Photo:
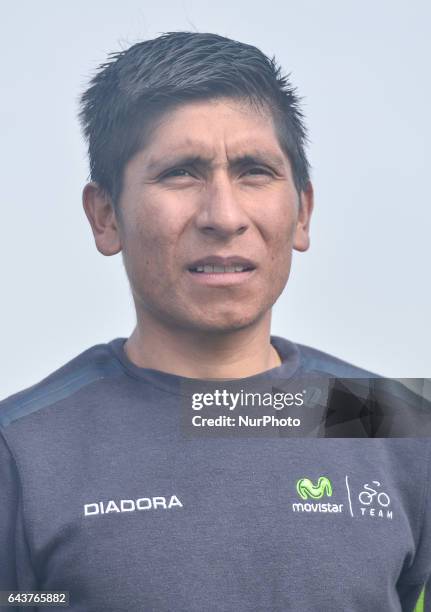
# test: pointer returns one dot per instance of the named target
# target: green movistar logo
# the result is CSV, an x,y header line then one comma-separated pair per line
x,y
307,489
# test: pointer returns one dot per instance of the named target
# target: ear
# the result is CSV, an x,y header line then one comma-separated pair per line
x,y
301,239
101,215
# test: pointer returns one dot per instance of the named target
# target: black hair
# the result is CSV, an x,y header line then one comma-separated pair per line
x,y
139,84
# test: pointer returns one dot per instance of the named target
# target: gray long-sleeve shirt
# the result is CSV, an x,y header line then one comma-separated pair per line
x,y
103,495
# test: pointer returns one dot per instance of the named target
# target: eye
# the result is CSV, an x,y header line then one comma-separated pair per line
x,y
258,171
176,172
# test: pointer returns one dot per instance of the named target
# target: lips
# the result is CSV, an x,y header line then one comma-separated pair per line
x,y
214,263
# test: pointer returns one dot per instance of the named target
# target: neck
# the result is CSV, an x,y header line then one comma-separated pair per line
x,y
196,354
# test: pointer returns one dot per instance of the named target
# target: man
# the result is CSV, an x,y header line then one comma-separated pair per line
x,y
200,180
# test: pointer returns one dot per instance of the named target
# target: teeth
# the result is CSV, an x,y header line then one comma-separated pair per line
x,y
214,269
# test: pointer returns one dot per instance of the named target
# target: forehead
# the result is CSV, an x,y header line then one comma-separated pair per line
x,y
210,127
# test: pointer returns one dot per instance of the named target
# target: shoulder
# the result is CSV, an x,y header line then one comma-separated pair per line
x,y
313,360
89,366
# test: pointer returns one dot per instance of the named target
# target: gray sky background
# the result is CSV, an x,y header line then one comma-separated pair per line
x,y
362,292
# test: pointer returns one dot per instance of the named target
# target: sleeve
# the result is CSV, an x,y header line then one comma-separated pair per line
x,y
427,597
426,545
418,576
15,567
427,593
8,511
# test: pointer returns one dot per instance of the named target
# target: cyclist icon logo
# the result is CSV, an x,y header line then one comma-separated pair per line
x,y
367,496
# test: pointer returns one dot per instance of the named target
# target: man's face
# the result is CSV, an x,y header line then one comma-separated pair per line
x,y
212,181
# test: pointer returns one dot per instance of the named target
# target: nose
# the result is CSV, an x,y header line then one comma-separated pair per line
x,y
220,213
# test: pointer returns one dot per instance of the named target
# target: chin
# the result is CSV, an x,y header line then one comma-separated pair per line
x,y
229,322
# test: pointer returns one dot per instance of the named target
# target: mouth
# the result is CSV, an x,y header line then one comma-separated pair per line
x,y
224,271
209,269
213,264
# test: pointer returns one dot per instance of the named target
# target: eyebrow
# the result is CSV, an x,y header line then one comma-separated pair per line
x,y
255,157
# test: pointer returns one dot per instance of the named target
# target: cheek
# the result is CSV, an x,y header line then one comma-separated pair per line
x,y
149,246
280,231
